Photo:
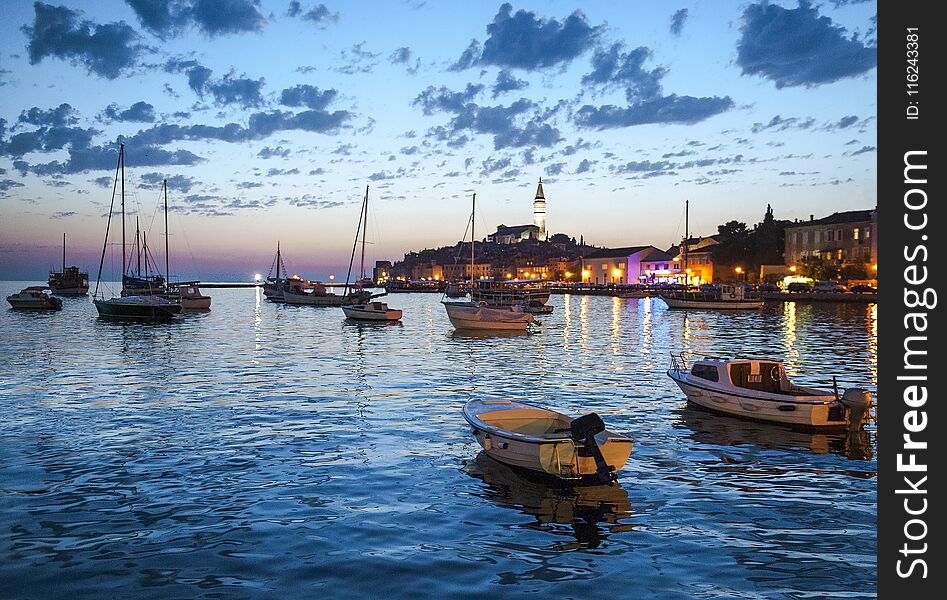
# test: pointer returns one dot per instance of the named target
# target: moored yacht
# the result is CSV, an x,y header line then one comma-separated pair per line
x,y
34,297
70,281
724,297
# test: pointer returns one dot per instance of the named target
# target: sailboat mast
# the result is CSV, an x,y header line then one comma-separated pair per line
x,y
121,160
138,246
687,204
63,252
364,229
473,237
144,240
278,259
167,259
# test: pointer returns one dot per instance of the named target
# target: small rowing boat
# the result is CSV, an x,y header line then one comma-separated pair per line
x,y
529,437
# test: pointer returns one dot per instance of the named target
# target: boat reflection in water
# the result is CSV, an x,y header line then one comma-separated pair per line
x,y
589,513
722,430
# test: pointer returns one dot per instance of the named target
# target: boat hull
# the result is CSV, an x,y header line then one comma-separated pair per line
x,y
360,314
138,311
312,299
464,316
555,455
18,304
74,291
680,303
807,413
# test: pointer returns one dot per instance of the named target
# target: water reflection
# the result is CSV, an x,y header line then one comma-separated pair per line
x,y
721,430
485,334
590,514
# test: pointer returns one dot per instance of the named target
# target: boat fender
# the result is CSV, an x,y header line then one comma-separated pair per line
x,y
857,401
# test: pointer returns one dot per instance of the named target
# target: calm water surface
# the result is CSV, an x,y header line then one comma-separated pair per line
x,y
262,450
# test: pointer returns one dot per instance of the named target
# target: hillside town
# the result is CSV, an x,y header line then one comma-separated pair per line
x,y
841,247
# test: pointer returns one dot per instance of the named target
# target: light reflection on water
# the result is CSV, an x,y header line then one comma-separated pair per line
x,y
261,450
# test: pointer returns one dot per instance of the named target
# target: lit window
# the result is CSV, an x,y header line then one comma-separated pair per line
x,y
855,233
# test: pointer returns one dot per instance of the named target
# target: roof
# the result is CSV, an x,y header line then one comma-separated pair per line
x,y
539,190
851,216
514,229
616,252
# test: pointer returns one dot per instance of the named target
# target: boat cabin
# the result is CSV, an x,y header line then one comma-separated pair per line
x,y
758,375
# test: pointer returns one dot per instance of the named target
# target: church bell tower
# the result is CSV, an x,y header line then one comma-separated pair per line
x,y
539,211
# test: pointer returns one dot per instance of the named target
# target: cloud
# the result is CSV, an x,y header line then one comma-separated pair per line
x,y
141,112
506,82
242,91
555,169
61,116
778,123
105,157
278,172
106,50
318,14
169,18
677,21
400,55
847,121
357,60
52,134
311,201
433,99
612,67
8,184
862,150
278,151
797,47
666,109
584,166
62,214
307,95
178,183
525,41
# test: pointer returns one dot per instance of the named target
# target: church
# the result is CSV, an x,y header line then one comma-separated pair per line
x,y
518,233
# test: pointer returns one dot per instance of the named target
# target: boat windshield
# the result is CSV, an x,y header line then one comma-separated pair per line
x,y
759,375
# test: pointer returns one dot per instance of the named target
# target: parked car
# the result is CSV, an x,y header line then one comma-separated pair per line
x,y
769,287
828,286
798,286
864,289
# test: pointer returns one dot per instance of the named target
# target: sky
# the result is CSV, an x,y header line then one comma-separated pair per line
x,y
269,119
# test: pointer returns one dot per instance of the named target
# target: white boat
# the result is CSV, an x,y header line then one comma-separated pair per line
x,y
318,295
476,315
371,311
188,295
544,441
359,305
760,390
473,315
727,297
34,297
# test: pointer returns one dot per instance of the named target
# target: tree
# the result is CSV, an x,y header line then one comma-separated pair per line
x,y
768,250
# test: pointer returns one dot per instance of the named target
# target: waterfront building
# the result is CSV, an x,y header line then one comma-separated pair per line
x,y
842,238
382,271
426,271
461,271
696,265
632,264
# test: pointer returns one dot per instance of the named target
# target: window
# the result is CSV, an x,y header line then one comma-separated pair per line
x,y
838,234
855,233
604,266
708,372
867,232
828,235
815,234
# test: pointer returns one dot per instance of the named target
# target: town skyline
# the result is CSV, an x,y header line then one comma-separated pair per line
x,y
269,119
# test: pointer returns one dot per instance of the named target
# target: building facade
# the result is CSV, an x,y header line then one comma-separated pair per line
x,y
515,234
461,271
843,238
633,264
696,265
382,271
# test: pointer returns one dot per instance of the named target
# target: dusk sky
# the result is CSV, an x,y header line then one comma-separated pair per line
x,y
269,119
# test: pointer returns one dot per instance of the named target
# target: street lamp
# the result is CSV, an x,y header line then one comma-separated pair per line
x,y
792,269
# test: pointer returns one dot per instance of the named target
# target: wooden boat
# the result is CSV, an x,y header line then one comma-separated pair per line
x,y
318,295
536,307
371,311
761,391
132,307
475,315
359,305
509,293
70,281
727,297
544,441
185,293
34,297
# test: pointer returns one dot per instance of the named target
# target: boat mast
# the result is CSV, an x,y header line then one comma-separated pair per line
x,y
687,234
167,260
121,160
144,239
473,237
138,247
364,226
277,262
63,252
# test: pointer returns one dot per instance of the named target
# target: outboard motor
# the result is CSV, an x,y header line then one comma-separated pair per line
x,y
583,430
857,401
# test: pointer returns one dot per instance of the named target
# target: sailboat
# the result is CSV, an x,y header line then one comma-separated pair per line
x,y
186,293
132,307
366,310
477,315
70,281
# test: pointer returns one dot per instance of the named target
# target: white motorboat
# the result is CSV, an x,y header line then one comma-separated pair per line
x,y
371,311
544,441
318,295
760,390
34,297
476,315
726,297
188,295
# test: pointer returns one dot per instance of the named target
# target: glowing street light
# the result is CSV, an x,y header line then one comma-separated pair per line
x,y
331,277
738,270
257,277
792,269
